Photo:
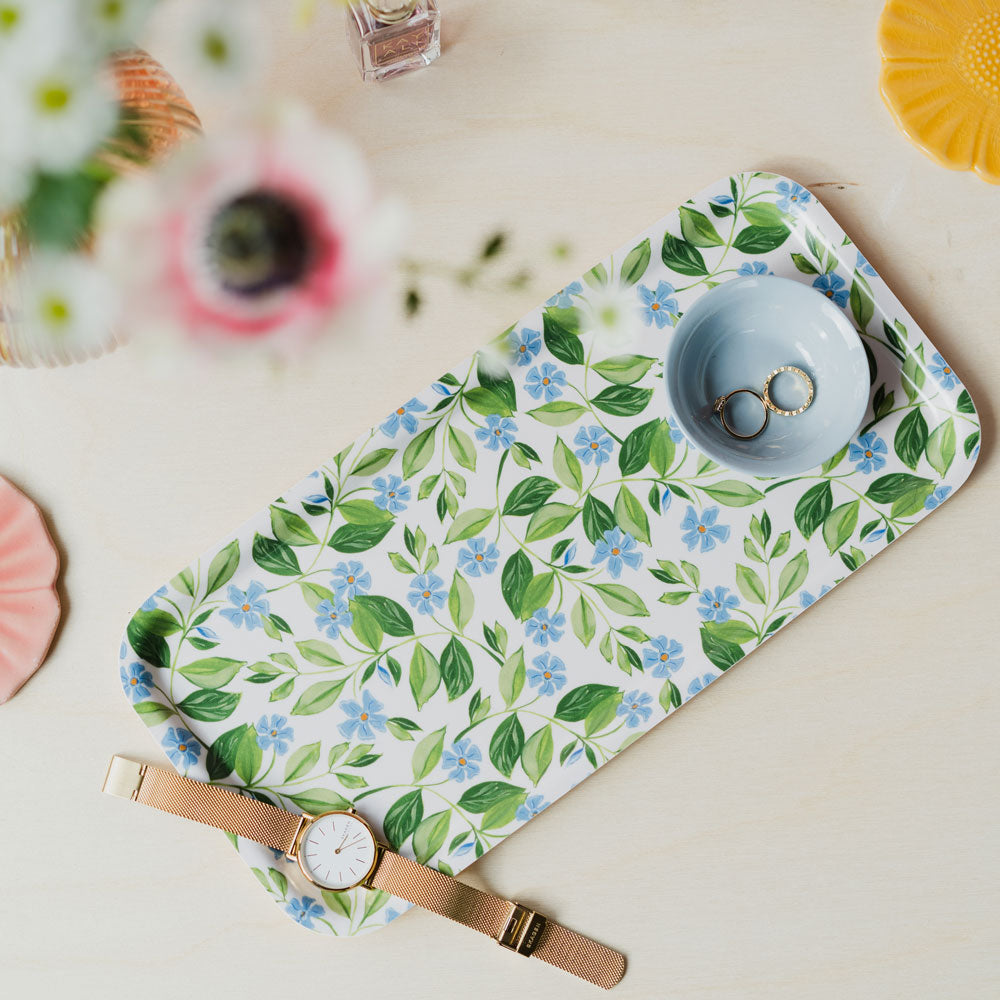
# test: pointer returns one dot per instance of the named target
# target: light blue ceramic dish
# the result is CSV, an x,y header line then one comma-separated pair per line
x,y
733,337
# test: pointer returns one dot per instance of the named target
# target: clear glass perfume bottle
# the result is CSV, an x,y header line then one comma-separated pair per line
x,y
389,37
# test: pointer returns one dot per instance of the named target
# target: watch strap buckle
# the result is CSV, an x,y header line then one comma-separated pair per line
x,y
124,778
522,930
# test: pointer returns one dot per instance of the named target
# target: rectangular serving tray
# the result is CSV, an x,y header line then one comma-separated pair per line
x,y
525,567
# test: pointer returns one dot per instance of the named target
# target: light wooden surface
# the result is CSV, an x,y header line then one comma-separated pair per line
x,y
822,824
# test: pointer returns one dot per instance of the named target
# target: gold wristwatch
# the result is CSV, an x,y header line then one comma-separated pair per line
x,y
338,851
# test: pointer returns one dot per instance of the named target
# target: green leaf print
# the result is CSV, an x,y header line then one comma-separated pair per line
x,y
511,679
427,754
456,668
537,594
891,487
222,567
733,493
682,257
634,453
575,705
507,744
481,797
597,518
750,585
721,652
209,706
756,240
403,818
499,383
302,761
274,556
290,528
813,508
514,581
567,466
528,495
630,515
425,674
430,835
911,438
391,615
363,512
698,229
622,400
318,652
419,451
941,447
621,599
563,344
462,448
583,620
537,753
550,520
320,800
221,757
469,524
793,575
318,697
373,462
213,672
840,524
558,413
635,264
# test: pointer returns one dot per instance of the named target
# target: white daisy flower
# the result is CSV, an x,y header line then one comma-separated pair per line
x,y
218,45
68,307
609,313
65,113
32,33
113,24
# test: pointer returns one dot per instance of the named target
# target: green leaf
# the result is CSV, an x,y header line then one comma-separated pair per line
x,y
537,753
419,451
274,556
221,757
528,495
751,586
721,652
597,518
403,818
314,594
733,493
840,525
603,713
692,571
363,512
575,705
537,594
803,263
469,523
941,447
58,211
891,487
485,402
583,620
911,501
813,508
635,264
320,800
764,214
456,668
497,382
391,615
625,369
430,835
302,761
511,679
755,240
290,528
631,516
338,902
373,462
366,626
427,754
462,448
862,303
461,601
318,697
563,344
248,755
698,228
506,745
550,520
914,374
209,706
911,438
558,413
514,580
153,713
634,453
970,443
661,448
622,400
597,276
793,575
479,798
681,257
213,672
965,404
425,675
319,652
567,466
621,599
733,630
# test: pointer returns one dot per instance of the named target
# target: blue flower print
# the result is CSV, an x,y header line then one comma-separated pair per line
x,y
137,682
548,674
666,500
635,708
274,732
863,266
868,451
543,628
937,498
462,760
403,417
204,632
181,747
332,617
526,346
362,719
700,683
478,557
392,494
593,443
530,808
351,579
442,390
833,287
807,600
749,269
941,370
664,655
715,606
465,847
793,196
569,555
382,673
150,603
247,605
618,548
427,593
564,298
703,530
877,535
547,380
676,434
498,432
304,911
722,199
658,307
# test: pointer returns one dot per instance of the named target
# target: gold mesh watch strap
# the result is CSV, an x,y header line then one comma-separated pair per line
x,y
514,926
209,804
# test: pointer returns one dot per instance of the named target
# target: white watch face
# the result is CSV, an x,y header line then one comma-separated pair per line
x,y
337,850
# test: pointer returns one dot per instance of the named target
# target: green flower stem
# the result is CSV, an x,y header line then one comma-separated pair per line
x,y
502,711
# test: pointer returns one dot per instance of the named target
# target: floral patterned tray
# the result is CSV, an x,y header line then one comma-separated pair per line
x,y
525,566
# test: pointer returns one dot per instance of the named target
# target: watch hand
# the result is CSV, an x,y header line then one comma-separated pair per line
x,y
351,844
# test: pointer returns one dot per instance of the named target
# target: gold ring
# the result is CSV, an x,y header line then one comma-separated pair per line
x,y
771,405
720,407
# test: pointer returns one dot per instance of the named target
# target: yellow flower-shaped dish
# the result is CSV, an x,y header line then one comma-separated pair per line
x,y
941,79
